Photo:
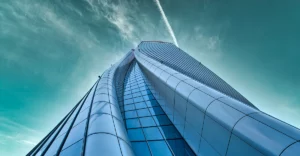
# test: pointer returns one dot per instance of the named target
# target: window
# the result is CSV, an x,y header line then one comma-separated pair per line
x,y
159,148
133,123
152,133
136,134
143,112
147,122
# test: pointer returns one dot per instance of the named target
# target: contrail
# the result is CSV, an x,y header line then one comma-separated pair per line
x,y
166,22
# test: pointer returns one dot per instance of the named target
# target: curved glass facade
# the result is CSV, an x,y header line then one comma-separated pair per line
x,y
158,100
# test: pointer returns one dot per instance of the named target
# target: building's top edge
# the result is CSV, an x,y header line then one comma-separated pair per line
x,y
157,42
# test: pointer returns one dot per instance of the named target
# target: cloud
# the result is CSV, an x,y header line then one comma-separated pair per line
x,y
14,126
164,17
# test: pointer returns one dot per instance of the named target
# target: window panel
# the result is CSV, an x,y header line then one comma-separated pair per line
x,y
129,107
130,114
137,94
152,133
162,120
156,111
180,147
136,134
128,101
143,112
170,132
133,123
75,134
159,148
140,105
74,150
147,122
148,97
152,103
138,99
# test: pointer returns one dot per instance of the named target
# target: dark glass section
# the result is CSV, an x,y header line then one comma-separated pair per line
x,y
149,129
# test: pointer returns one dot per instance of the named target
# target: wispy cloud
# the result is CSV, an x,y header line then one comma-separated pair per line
x,y
164,17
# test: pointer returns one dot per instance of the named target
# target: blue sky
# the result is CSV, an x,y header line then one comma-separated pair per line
x,y
51,53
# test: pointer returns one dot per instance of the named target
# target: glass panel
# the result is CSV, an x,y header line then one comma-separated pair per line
x,y
140,148
140,105
147,122
136,135
159,148
109,145
75,134
128,101
138,99
156,111
129,107
162,120
180,147
143,112
169,132
137,94
152,133
130,114
133,123
152,103
74,150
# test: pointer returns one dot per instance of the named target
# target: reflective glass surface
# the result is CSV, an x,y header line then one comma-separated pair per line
x,y
149,128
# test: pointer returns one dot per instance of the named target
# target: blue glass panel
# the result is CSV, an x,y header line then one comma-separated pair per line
x,y
140,105
138,99
147,122
106,143
180,147
129,107
135,90
159,148
133,123
152,133
170,132
127,92
143,88
137,94
143,112
127,96
128,101
148,97
140,148
162,120
54,146
74,150
145,92
130,114
152,103
136,134
156,111
75,134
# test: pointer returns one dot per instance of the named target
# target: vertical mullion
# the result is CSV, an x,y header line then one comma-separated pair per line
x,y
71,125
63,124
63,121
88,119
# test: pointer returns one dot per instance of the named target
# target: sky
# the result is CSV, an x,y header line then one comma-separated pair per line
x,y
52,51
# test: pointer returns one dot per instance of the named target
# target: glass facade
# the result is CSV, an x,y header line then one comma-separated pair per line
x,y
160,101
149,128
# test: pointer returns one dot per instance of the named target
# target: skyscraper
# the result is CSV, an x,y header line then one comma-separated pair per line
x,y
158,100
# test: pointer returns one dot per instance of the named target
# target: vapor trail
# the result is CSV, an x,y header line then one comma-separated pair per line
x,y
166,22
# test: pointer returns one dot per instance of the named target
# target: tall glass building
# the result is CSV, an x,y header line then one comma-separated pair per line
x,y
160,101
